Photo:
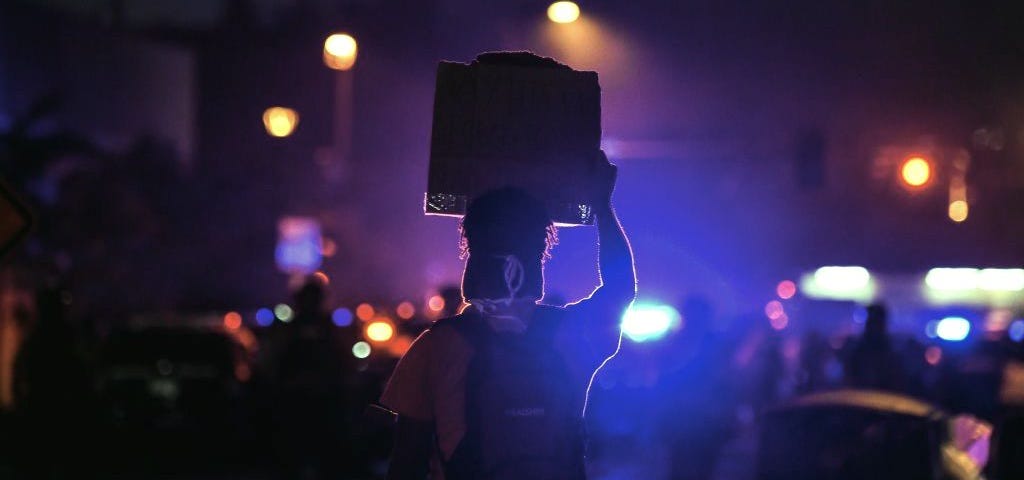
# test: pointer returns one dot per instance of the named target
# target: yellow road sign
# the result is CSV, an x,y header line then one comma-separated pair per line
x,y
15,220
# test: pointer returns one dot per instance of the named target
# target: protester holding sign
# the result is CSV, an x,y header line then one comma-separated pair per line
x,y
498,391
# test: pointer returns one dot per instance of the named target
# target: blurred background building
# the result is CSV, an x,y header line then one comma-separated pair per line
x,y
208,156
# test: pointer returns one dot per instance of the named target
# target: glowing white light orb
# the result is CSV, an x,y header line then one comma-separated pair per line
x,y
563,12
361,350
644,322
340,51
953,329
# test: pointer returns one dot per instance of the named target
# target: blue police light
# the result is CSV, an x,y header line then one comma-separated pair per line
x,y
299,245
264,317
645,322
1016,330
953,329
342,317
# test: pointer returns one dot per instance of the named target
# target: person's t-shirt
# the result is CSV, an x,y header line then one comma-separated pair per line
x,y
429,382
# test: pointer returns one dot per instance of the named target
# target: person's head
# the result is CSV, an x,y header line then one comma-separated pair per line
x,y
500,228
310,297
877,322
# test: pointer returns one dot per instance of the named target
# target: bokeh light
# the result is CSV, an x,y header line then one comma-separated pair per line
x,y
774,309
1016,330
233,320
1001,279
322,278
563,12
842,278
280,121
399,346
964,279
405,310
340,51
998,320
780,322
342,317
958,210
298,245
953,329
283,312
933,355
361,350
916,171
952,278
380,331
264,317
644,322
436,303
328,247
365,312
785,289
839,283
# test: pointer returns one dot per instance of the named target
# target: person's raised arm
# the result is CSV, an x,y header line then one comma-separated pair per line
x,y
615,258
602,311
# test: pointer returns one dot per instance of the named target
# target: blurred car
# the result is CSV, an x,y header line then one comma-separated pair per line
x,y
175,391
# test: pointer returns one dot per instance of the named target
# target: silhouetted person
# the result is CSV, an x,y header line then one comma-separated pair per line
x,y
499,390
814,355
53,394
312,365
769,369
871,362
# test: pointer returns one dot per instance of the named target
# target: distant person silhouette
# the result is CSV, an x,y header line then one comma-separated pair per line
x,y
871,363
814,357
312,367
498,391
54,397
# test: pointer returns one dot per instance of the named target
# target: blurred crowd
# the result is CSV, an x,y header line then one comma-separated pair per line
x,y
294,400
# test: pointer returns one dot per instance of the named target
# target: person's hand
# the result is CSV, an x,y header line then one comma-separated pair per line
x,y
605,174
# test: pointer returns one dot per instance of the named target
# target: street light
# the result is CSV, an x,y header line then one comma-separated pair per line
x,y
916,171
379,331
340,51
563,12
958,210
280,121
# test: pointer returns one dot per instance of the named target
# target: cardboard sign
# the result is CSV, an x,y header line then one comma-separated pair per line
x,y
514,120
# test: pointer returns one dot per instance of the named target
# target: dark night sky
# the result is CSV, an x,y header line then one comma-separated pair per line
x,y
703,105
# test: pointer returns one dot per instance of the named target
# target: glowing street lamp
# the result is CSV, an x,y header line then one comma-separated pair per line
x,y
340,51
379,331
563,12
916,172
958,210
280,121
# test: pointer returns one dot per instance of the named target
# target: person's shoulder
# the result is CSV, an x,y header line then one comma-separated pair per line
x,y
448,329
446,326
